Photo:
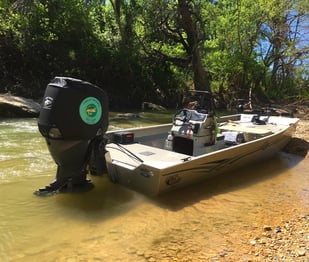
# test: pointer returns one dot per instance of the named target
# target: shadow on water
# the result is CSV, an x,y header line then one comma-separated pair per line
x,y
108,200
104,201
228,182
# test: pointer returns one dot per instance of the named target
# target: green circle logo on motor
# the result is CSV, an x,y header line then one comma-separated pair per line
x,y
90,110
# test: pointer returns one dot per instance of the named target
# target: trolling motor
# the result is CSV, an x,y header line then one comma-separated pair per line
x,y
73,120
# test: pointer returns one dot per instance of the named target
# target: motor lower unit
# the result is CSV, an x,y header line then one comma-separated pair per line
x,y
73,120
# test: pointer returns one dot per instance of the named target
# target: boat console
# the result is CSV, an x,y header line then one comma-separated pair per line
x,y
73,120
191,132
194,126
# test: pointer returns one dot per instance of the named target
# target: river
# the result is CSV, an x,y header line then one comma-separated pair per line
x,y
112,223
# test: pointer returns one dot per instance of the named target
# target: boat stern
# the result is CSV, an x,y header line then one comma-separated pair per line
x,y
141,167
141,178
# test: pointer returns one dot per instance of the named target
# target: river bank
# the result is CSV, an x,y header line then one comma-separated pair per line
x,y
284,237
287,239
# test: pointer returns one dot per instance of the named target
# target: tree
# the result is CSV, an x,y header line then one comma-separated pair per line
x,y
279,43
231,57
192,44
143,50
175,37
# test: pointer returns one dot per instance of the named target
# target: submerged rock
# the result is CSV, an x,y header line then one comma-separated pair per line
x,y
15,106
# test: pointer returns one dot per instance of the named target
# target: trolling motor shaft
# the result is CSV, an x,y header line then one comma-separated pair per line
x,y
73,120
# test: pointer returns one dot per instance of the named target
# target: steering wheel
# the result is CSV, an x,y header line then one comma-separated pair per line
x,y
185,117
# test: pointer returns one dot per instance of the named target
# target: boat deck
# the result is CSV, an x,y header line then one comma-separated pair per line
x,y
135,154
248,128
274,125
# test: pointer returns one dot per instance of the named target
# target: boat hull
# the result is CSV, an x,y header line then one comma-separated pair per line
x,y
157,170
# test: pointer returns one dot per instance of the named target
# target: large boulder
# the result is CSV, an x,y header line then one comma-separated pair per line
x,y
15,106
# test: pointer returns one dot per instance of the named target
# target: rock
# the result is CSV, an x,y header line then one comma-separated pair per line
x,y
263,240
252,242
301,252
277,230
140,252
267,228
223,254
15,106
297,146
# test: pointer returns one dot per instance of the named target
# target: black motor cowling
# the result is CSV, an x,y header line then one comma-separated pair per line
x,y
73,120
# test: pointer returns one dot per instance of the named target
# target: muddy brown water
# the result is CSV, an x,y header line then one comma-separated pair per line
x,y
112,223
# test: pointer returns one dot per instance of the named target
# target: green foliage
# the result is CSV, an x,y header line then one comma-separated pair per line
x,y
151,50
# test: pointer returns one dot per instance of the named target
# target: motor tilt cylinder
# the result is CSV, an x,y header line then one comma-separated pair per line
x,y
73,120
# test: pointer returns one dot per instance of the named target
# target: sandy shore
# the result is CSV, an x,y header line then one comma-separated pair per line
x,y
289,239
286,239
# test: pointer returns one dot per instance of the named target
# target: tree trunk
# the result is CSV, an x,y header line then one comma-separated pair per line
x,y
201,77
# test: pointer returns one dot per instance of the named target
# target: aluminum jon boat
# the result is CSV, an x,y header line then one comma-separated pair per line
x,y
196,146
151,160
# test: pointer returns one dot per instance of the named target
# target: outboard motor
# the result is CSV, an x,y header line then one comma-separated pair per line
x,y
73,120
